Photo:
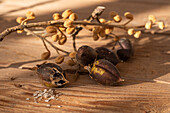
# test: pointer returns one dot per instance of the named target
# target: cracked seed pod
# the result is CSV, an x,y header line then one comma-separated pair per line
x,y
113,14
124,49
68,23
102,20
128,15
148,25
51,75
73,17
30,15
137,34
102,32
55,37
51,29
86,55
62,40
70,62
108,30
131,31
95,36
161,25
70,30
45,55
72,55
105,73
67,13
57,16
117,18
20,19
152,18
59,59
104,53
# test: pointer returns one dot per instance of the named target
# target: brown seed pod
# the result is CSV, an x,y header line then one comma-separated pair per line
x,y
102,20
148,25
137,34
51,29
55,37
57,16
86,55
102,32
45,55
117,18
95,36
20,19
30,15
161,24
108,30
128,15
70,30
104,72
131,31
68,23
62,28
70,62
113,14
67,13
72,55
73,17
59,59
62,40
96,30
51,75
104,53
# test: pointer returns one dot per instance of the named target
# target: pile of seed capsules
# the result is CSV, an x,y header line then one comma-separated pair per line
x,y
100,62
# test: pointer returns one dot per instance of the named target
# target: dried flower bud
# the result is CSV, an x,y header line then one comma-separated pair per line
x,y
152,18
95,36
137,34
45,55
148,25
96,30
59,59
62,40
117,18
68,23
62,28
72,55
20,31
128,15
30,15
55,37
51,29
161,25
67,13
131,31
113,14
57,16
108,30
102,20
70,62
20,19
73,17
102,32
70,30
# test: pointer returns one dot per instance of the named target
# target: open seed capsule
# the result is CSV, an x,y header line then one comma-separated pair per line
x,y
51,75
124,49
86,55
104,53
105,72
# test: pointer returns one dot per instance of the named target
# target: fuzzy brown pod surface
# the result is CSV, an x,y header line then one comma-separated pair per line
x,y
104,53
105,72
51,75
124,49
86,55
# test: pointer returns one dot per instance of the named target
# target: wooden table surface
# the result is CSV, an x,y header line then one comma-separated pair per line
x,y
147,85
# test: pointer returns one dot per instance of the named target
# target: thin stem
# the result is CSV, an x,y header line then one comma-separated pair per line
x,y
127,22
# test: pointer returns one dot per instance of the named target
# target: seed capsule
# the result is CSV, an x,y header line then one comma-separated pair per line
x,y
68,23
30,15
137,34
104,53
148,25
51,29
102,20
86,55
20,19
117,18
59,59
95,36
62,40
108,30
51,75
105,72
70,30
45,55
161,25
55,37
102,32
131,31
124,49
128,15
57,16
113,14
72,55
73,17
67,13
152,18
